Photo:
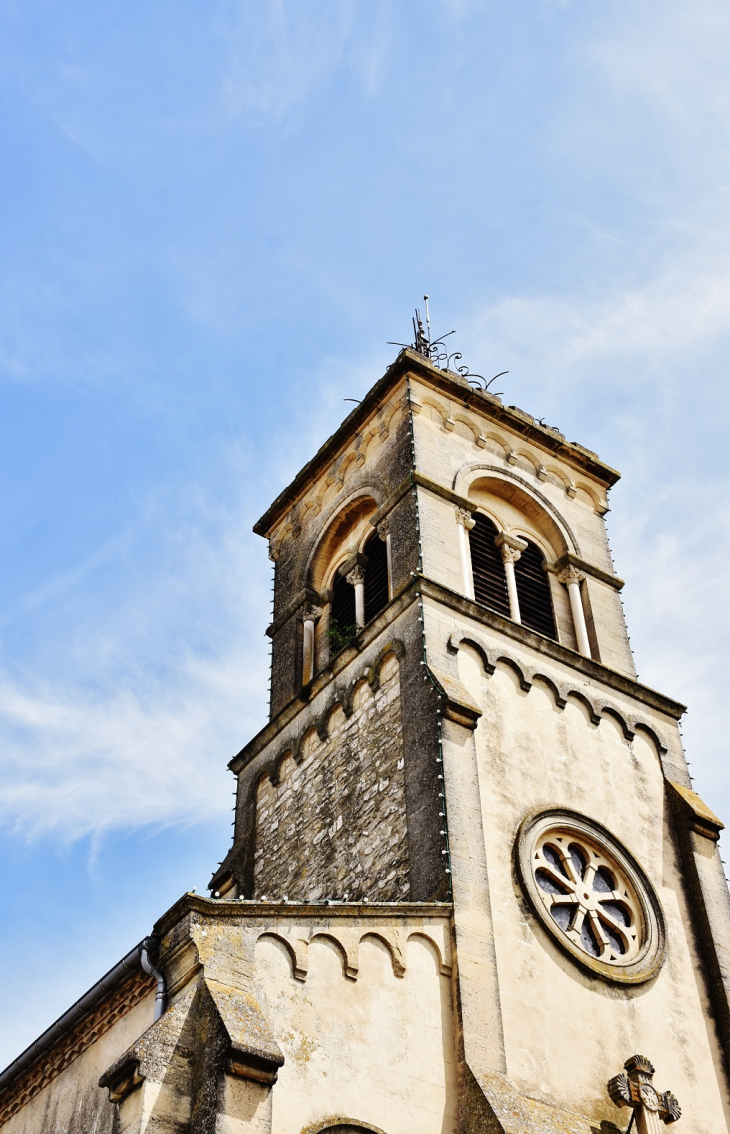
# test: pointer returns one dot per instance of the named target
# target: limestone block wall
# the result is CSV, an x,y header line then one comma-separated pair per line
x,y
377,1050
334,824
455,447
548,738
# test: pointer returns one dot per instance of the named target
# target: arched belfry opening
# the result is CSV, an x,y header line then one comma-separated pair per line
x,y
509,569
533,591
376,576
490,583
342,607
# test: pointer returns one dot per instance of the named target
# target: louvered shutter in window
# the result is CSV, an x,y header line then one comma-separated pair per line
x,y
376,576
490,584
533,592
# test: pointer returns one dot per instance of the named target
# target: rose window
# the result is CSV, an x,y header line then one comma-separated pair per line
x,y
591,895
587,896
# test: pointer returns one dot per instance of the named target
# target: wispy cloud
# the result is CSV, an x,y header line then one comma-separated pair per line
x,y
134,721
280,51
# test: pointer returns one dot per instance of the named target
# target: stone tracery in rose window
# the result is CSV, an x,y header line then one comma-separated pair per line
x,y
591,895
588,897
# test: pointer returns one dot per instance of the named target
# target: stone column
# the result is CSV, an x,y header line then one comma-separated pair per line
x,y
383,530
511,548
309,615
464,523
357,578
572,578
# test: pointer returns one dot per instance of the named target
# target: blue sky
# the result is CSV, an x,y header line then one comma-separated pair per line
x,y
212,219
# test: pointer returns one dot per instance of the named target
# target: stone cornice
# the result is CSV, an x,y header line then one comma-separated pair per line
x,y
586,666
428,587
441,490
307,594
409,363
245,909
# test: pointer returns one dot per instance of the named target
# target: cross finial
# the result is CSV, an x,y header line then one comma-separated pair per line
x,y
634,1088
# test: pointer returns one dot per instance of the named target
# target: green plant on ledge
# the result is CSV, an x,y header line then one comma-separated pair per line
x,y
339,637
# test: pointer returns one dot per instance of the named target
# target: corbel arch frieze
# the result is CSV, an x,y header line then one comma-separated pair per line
x,y
561,690
642,726
463,479
347,939
340,697
606,709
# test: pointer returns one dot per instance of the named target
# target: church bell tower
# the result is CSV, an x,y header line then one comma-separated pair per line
x,y
456,719
471,889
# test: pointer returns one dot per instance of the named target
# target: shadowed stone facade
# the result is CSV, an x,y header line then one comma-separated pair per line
x,y
469,877
330,825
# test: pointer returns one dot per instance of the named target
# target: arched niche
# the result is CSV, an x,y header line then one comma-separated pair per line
x,y
345,534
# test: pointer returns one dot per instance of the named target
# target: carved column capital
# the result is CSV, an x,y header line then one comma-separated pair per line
x,y
357,575
383,528
570,575
465,518
308,612
510,547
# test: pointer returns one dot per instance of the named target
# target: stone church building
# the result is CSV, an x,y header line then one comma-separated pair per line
x,y
471,887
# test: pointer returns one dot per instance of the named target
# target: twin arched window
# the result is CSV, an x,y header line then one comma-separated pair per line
x,y
489,571
375,584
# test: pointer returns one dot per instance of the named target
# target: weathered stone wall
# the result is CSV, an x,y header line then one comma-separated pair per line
x,y
334,825
370,466
536,749
461,449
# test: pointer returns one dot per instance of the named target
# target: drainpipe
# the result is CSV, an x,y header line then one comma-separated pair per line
x,y
136,957
151,944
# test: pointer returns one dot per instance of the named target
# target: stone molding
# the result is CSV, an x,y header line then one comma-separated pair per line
x,y
551,649
527,675
569,575
695,812
423,481
297,924
308,612
571,560
465,518
510,547
408,364
509,475
325,677
456,703
306,595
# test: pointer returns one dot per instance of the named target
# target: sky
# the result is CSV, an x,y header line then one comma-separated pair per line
x,y
213,217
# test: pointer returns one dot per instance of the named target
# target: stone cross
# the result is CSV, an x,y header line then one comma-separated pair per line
x,y
634,1088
